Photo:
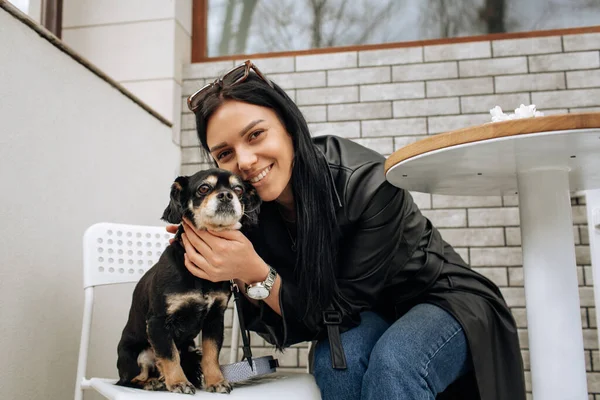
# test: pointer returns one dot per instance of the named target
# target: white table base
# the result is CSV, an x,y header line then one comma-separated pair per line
x,y
551,287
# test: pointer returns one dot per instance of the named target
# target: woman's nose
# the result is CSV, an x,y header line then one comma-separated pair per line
x,y
246,160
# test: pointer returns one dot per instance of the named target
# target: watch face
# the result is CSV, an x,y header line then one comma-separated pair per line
x,y
258,292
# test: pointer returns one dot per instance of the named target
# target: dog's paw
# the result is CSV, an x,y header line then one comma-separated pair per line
x,y
183,387
155,384
220,387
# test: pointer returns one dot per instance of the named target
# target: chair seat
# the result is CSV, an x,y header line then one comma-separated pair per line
x,y
292,386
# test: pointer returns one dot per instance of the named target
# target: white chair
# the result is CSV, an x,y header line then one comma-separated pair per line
x,y
117,253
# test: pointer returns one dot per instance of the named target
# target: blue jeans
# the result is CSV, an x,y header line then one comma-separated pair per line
x,y
416,357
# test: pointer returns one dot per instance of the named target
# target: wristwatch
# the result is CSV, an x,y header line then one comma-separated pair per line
x,y
262,290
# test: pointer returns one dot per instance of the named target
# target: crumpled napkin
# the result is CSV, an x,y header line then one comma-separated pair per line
x,y
522,112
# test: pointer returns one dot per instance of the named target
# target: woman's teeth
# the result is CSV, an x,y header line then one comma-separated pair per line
x,y
260,176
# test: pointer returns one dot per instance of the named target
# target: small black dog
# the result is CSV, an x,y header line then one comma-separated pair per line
x,y
170,306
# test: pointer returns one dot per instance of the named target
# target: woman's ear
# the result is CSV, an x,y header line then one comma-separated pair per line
x,y
252,202
174,211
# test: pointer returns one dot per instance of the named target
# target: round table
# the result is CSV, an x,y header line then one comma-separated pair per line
x,y
541,160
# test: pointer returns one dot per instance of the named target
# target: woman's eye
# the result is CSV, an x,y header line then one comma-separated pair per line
x,y
203,189
223,154
238,190
256,134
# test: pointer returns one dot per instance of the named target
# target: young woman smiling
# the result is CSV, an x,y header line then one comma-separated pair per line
x,y
342,257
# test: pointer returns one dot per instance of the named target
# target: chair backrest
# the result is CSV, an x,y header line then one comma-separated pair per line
x,y
119,253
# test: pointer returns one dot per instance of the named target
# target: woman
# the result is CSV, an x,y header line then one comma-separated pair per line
x,y
343,257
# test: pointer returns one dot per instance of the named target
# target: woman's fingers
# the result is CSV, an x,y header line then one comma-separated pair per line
x,y
211,247
197,243
193,250
195,262
194,243
172,229
219,255
214,243
187,225
197,238
196,254
230,234
194,270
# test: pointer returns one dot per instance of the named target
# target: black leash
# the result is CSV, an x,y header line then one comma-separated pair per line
x,y
245,341
239,371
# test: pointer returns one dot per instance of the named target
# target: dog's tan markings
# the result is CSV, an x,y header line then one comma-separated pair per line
x,y
198,219
211,180
214,381
234,180
179,300
215,298
147,362
220,299
176,186
205,209
210,199
171,370
155,384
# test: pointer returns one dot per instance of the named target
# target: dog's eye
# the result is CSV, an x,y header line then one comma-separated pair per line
x,y
238,190
203,189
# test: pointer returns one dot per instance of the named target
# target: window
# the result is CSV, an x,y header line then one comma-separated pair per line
x,y
45,12
265,26
29,7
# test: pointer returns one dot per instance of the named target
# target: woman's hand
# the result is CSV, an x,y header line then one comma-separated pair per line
x,y
221,256
173,230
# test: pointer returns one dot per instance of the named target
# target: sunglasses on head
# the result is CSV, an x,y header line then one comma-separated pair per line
x,y
231,78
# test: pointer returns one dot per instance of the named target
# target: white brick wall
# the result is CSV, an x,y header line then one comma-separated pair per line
x,y
385,99
358,76
493,66
520,47
326,95
421,72
531,82
392,91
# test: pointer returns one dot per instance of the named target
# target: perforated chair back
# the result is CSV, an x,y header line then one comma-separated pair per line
x,y
119,253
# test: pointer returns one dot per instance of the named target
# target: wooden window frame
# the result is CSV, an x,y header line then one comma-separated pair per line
x,y
199,30
200,36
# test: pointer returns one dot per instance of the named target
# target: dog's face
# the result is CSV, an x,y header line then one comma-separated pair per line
x,y
213,199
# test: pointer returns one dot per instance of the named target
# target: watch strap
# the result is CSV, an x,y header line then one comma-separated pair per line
x,y
270,280
267,283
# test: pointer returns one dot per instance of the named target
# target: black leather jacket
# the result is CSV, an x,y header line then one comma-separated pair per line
x,y
391,258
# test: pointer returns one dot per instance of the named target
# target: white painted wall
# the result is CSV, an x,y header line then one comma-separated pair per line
x,y
142,44
73,151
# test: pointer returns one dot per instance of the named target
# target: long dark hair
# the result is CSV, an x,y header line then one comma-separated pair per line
x,y
317,231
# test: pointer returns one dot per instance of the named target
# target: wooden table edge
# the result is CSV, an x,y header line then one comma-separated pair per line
x,y
492,131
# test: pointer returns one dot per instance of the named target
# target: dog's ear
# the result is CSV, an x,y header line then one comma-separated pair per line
x,y
174,211
252,202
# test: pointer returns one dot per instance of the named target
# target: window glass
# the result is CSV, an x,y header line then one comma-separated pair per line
x,y
29,7
22,5
262,26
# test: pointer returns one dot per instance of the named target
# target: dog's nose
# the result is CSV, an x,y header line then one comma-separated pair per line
x,y
225,196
